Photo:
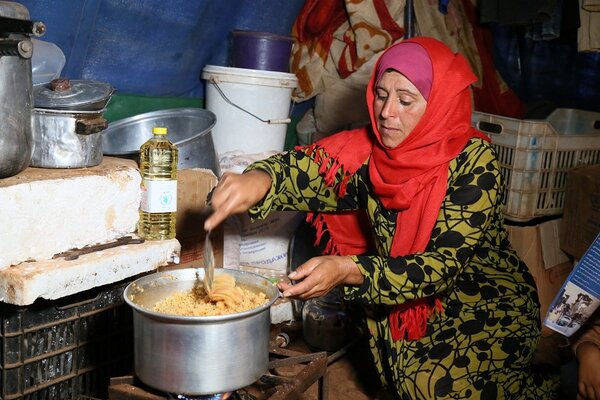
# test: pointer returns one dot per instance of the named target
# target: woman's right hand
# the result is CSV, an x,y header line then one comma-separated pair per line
x,y
235,194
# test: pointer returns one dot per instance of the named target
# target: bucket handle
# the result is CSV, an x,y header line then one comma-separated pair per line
x,y
271,121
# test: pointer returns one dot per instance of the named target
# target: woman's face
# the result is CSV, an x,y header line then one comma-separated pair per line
x,y
398,107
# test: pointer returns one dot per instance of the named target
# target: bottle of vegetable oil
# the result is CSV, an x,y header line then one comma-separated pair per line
x,y
158,164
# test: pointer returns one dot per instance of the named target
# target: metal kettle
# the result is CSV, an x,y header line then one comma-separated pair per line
x,y
16,89
326,323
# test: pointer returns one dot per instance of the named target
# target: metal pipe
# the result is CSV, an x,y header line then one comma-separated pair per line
x,y
409,19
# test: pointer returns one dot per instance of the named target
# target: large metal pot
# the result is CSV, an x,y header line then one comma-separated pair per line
x,y
68,122
189,129
198,355
16,97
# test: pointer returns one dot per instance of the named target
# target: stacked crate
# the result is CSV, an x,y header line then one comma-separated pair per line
x,y
66,348
535,156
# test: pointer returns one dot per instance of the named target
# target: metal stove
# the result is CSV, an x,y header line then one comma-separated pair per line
x,y
289,374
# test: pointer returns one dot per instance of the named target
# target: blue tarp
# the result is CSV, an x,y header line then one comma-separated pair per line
x,y
153,47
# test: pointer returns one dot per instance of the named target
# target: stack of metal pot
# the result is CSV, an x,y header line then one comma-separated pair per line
x,y
16,94
68,123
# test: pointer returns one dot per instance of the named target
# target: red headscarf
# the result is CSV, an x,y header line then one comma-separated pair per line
x,y
411,178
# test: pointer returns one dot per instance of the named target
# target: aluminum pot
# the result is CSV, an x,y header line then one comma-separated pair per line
x,y
67,139
198,355
188,128
67,123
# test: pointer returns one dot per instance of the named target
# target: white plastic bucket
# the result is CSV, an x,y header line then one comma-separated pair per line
x,y
252,108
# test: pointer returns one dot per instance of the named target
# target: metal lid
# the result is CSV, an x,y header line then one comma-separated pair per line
x,y
72,94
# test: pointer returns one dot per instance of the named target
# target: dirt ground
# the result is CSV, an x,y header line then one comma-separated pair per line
x,y
349,377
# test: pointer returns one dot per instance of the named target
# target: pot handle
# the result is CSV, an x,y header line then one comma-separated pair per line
x,y
21,48
90,126
15,25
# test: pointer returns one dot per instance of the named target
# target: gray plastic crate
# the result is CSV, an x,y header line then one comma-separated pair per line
x,y
535,159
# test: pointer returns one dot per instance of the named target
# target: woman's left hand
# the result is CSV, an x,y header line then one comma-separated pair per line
x,y
319,275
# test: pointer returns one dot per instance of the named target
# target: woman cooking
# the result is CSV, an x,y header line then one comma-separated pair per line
x,y
410,211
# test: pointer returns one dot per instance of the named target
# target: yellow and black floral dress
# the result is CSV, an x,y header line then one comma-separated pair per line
x,y
481,346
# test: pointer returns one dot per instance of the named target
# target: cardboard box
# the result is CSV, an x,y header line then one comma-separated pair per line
x,y
193,185
539,247
581,213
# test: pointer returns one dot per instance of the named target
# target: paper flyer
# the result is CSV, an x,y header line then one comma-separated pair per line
x,y
579,296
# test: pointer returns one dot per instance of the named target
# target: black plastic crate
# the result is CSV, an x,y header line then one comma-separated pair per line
x,y
66,348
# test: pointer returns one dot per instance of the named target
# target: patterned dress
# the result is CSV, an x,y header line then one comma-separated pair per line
x,y
482,345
